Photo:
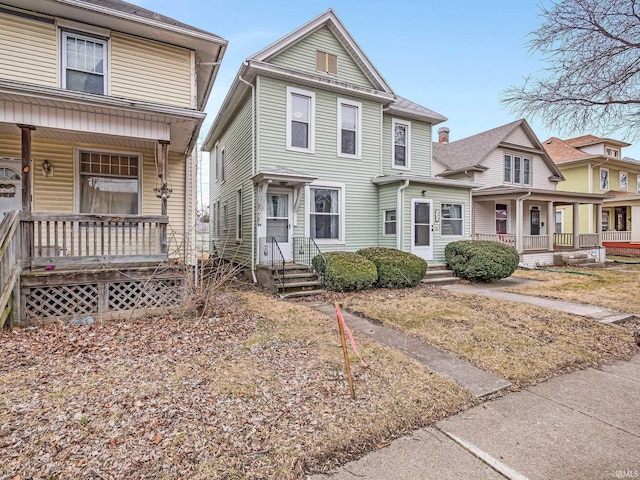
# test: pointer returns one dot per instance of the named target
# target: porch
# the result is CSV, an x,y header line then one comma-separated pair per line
x,y
63,266
532,243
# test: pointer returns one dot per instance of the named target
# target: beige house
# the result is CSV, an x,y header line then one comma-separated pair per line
x,y
517,201
101,103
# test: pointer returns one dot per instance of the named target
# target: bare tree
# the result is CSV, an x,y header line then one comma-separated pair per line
x,y
592,51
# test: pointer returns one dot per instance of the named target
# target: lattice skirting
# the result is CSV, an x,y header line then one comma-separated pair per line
x,y
67,301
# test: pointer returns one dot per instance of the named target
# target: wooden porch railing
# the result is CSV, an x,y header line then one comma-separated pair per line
x,y
587,240
10,248
506,238
535,242
63,239
612,236
563,239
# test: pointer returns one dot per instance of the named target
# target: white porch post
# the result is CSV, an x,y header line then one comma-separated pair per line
x,y
635,224
519,225
551,224
599,223
576,225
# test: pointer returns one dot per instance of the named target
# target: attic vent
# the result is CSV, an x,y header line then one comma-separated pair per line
x,y
326,62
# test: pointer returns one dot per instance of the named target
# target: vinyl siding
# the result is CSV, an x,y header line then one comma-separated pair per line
x,y
29,51
361,194
495,174
420,148
576,179
388,198
302,57
150,71
236,140
56,194
519,137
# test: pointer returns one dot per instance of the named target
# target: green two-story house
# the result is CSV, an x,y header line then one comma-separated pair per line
x,y
313,151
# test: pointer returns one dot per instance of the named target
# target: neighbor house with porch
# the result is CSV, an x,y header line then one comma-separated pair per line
x,y
101,103
517,201
597,165
312,151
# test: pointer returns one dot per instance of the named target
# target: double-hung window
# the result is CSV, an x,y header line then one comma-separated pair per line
x,y
526,171
390,220
349,128
507,168
401,153
501,218
604,178
624,185
451,219
109,183
325,212
300,120
238,215
517,169
84,63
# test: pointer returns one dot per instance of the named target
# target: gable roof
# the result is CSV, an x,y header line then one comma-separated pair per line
x,y
470,153
586,140
562,151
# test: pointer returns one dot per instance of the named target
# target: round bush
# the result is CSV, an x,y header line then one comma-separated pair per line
x,y
396,269
345,271
481,261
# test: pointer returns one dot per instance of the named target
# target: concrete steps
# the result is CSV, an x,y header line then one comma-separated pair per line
x,y
578,259
437,274
299,281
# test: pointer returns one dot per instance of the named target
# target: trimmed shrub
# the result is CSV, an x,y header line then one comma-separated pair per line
x,y
481,261
396,269
346,271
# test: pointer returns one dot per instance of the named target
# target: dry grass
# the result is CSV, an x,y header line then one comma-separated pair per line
x,y
615,287
256,391
519,342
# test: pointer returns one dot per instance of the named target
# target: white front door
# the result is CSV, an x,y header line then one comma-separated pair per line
x,y
421,228
279,224
10,185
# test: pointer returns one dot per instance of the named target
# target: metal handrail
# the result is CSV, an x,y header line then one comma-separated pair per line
x,y
277,263
305,249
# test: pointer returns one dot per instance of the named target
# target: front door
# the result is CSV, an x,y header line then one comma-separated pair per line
x,y
621,219
10,185
279,221
535,221
422,228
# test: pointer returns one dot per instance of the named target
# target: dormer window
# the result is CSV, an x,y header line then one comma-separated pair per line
x,y
612,152
326,62
84,63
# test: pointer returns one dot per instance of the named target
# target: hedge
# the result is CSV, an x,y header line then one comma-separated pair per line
x,y
481,261
396,269
346,271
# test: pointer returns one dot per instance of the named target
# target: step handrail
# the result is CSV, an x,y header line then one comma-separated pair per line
x,y
277,260
10,265
305,249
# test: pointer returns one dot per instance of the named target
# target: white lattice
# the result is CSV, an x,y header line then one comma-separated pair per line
x,y
62,301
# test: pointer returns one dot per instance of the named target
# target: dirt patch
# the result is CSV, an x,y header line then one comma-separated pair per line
x,y
255,391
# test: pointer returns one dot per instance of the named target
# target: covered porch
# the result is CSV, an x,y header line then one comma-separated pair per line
x,y
621,224
528,220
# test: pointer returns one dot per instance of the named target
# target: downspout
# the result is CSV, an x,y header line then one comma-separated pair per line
x,y
253,172
399,218
519,221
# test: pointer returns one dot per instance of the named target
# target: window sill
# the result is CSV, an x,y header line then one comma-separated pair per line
x,y
398,167
309,151
350,157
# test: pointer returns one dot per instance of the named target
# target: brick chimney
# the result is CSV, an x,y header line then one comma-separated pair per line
x,y
443,135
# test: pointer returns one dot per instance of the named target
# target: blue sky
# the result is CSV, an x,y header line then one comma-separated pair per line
x,y
454,57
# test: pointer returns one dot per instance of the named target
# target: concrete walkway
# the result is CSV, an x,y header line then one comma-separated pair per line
x,y
494,290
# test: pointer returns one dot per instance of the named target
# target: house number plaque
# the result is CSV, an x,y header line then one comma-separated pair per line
x,y
7,190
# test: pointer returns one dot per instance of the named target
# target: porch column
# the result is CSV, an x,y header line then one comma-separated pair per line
x,y
599,223
164,190
576,225
27,197
551,224
519,225
635,224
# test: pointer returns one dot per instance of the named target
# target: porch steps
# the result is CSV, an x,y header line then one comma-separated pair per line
x,y
437,274
577,259
299,281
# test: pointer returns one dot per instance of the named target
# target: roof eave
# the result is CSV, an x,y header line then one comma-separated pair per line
x,y
384,180
414,115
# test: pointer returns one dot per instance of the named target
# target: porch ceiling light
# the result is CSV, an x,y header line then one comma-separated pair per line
x,y
47,168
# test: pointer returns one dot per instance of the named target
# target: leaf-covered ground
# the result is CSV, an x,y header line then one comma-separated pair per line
x,y
255,390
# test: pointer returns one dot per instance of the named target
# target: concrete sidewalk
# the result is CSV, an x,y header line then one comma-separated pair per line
x,y
584,424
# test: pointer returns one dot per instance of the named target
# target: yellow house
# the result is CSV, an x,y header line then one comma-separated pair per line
x,y
100,107
597,165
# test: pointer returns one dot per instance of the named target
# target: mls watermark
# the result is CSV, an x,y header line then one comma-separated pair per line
x,y
626,474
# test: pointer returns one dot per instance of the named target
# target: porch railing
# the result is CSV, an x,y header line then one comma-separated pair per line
x,y
10,249
305,250
535,242
588,240
271,254
612,236
506,238
563,239
58,239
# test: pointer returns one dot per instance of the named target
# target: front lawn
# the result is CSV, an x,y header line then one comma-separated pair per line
x,y
522,343
257,391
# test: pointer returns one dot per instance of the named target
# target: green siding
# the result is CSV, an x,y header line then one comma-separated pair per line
x,y
236,141
388,198
302,57
420,150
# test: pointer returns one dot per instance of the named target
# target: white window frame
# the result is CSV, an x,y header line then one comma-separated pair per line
x,y
407,124
527,161
87,37
385,222
312,115
512,169
358,106
604,186
77,154
216,161
561,212
495,218
239,215
223,164
442,219
612,152
624,175
225,219
638,183
504,168
340,186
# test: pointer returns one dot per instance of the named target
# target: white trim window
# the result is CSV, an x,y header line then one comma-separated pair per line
x,y
401,144
390,220
223,163
507,168
225,219
604,178
109,182
502,218
239,215
301,106
638,183
84,63
526,171
612,152
325,212
517,169
559,221
624,183
216,161
451,219
349,128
